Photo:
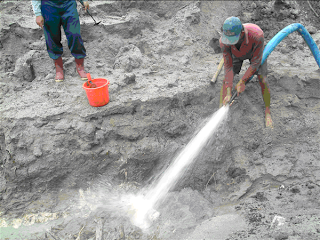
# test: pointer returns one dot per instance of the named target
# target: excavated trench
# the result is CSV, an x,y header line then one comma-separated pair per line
x,y
65,164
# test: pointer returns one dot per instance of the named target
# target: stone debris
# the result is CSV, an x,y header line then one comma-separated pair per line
x,y
24,68
277,221
129,78
128,58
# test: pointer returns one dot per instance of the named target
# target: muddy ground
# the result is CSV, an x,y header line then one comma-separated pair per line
x,y
67,168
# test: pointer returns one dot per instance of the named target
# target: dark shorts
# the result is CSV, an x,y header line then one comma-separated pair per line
x,y
237,64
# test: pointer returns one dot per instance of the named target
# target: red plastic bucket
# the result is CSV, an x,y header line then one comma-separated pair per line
x,y
97,91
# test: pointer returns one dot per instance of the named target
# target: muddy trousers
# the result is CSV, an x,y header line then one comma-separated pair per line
x,y
62,13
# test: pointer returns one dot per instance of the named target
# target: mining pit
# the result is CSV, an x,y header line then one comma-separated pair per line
x,y
66,166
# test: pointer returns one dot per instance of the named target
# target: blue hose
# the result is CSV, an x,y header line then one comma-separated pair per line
x,y
285,32
280,36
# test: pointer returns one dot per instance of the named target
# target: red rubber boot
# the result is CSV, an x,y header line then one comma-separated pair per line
x,y
80,69
59,70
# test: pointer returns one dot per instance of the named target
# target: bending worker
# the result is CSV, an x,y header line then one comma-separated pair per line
x,y
239,42
51,15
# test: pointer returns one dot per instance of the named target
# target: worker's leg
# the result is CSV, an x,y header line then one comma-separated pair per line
x,y
223,93
52,31
262,76
71,26
265,89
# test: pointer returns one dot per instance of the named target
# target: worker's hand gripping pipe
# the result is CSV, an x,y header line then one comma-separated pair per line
x,y
232,98
236,93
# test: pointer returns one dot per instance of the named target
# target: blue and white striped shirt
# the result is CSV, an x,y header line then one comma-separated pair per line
x,y
36,5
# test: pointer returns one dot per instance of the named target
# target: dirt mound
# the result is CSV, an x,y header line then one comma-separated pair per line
x,y
66,166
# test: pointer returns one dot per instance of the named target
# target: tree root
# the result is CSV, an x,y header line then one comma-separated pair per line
x,y
312,9
79,235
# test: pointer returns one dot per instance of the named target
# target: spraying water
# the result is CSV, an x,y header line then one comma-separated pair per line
x,y
143,205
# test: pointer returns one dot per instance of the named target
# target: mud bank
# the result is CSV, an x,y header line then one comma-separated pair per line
x,y
65,166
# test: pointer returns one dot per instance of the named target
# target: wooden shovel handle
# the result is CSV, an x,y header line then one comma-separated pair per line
x,y
214,79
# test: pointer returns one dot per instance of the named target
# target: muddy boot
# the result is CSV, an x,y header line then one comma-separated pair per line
x,y
80,69
59,69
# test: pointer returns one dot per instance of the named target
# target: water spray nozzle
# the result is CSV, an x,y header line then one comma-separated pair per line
x,y
232,98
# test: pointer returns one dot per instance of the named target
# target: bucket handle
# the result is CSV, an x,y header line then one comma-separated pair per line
x,y
90,81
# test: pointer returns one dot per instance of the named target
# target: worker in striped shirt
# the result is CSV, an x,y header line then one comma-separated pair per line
x,y
51,15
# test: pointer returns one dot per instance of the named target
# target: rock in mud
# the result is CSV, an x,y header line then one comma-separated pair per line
x,y
129,78
280,236
192,15
311,29
260,197
24,67
277,221
128,58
